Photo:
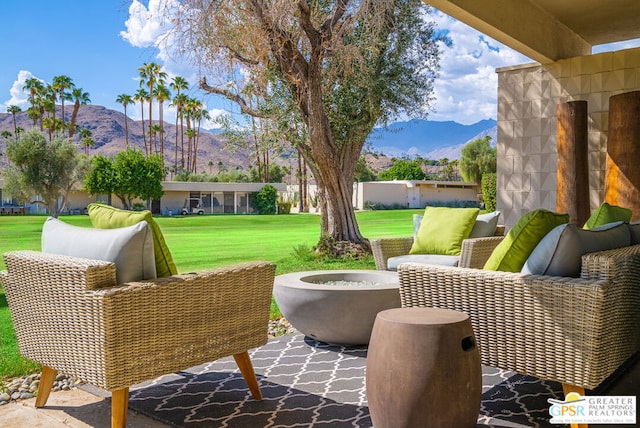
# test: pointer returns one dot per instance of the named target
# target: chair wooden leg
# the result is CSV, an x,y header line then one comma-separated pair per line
x,y
47,377
249,375
566,388
119,408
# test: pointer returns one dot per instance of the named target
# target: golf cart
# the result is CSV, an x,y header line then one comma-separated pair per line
x,y
192,206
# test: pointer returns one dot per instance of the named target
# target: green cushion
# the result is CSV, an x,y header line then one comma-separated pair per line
x,y
511,254
107,217
606,214
442,230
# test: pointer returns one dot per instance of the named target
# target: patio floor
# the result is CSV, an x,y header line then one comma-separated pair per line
x,y
304,383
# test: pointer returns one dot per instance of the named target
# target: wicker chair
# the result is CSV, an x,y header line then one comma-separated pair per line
x,y
70,316
576,331
473,254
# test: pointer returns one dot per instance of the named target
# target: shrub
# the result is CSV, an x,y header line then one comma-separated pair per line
x,y
489,190
266,200
284,207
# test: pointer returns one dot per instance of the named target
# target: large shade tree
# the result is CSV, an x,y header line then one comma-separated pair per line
x,y
44,169
130,175
348,65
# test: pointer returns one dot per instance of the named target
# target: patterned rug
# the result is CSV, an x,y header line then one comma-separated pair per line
x,y
306,383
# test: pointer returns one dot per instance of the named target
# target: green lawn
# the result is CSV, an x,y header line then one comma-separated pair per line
x,y
199,242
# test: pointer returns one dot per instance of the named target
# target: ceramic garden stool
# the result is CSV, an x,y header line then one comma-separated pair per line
x,y
423,369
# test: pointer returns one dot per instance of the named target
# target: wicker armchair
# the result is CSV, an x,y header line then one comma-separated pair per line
x,y
71,316
576,331
473,254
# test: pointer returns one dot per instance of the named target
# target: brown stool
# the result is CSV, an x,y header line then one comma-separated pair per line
x,y
423,369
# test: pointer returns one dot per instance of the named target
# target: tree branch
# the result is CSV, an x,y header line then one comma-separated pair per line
x,y
244,106
339,9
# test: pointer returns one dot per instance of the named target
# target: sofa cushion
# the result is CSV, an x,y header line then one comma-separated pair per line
x,y
634,228
429,259
514,250
485,225
606,214
130,248
107,217
560,252
442,230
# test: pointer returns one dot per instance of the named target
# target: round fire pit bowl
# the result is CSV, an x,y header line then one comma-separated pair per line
x,y
336,306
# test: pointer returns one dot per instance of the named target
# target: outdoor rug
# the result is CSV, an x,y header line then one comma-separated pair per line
x,y
306,383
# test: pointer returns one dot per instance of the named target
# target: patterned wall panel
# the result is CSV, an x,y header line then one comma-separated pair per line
x,y
527,128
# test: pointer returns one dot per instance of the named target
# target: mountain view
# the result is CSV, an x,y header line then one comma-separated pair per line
x,y
428,139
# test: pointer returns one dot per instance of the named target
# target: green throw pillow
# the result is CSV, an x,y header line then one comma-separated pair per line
x,y
442,230
606,214
514,250
108,217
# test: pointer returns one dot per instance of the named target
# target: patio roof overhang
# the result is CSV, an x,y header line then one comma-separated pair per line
x,y
548,30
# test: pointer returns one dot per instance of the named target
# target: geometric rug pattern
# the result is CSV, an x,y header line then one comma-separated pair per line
x,y
306,383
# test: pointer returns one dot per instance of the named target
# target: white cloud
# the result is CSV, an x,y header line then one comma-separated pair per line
x,y
19,96
145,27
214,114
466,90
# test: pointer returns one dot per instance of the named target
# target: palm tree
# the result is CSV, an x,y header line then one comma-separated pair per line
x,y
79,98
60,84
199,114
189,111
14,110
162,94
151,74
141,96
179,102
178,84
35,88
86,139
156,130
125,100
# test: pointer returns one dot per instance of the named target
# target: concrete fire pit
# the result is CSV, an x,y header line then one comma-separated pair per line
x,y
336,306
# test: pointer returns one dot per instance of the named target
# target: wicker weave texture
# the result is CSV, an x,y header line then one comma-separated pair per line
x,y
120,335
473,253
576,331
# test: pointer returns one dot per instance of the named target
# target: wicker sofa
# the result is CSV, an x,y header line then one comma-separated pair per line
x,y
473,254
71,316
576,331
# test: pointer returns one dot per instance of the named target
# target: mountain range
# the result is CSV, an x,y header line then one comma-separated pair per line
x,y
428,139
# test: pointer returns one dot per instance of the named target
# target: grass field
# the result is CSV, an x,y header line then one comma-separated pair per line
x,y
199,242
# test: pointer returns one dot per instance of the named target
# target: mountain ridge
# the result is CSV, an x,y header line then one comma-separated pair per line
x,y
428,139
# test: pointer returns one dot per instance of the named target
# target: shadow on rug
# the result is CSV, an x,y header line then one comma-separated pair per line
x,y
312,384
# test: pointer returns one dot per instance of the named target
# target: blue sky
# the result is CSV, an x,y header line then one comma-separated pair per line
x,y
101,43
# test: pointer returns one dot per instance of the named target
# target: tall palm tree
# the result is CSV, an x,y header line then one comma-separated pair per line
x,y
80,98
179,102
199,114
141,96
125,100
178,84
86,140
35,88
14,110
151,74
162,94
60,85
157,130
189,111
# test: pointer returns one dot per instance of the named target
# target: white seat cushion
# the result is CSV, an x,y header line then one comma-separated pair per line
x,y
429,259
